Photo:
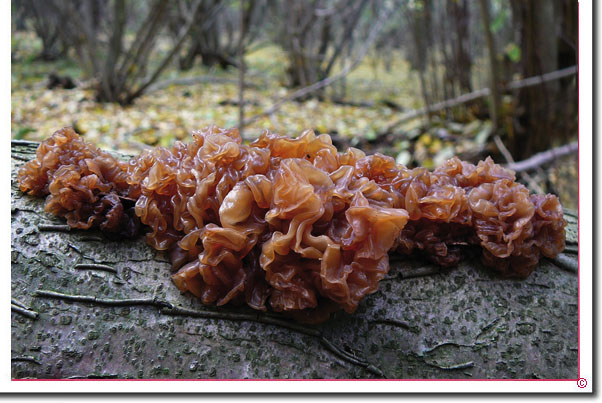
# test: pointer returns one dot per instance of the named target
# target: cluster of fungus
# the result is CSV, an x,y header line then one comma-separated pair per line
x,y
292,223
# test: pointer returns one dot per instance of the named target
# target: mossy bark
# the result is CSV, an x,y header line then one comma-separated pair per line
x,y
88,307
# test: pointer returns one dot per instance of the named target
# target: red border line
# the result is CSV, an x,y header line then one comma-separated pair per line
x,y
298,380
421,380
578,205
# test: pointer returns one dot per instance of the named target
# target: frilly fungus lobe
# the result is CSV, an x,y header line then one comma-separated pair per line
x,y
292,223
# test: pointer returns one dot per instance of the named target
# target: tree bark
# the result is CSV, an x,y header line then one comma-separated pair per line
x,y
87,307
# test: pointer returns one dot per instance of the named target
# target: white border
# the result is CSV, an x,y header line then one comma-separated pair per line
x,y
586,222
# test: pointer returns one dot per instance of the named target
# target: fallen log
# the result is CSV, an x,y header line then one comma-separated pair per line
x,y
86,307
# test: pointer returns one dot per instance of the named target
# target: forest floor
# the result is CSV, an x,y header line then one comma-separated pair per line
x,y
171,113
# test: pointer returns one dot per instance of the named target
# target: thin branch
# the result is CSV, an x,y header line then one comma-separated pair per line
x,y
175,49
94,376
18,303
525,176
463,365
95,266
102,301
413,273
462,99
544,157
396,323
25,359
24,143
54,227
352,23
24,311
531,81
567,263
142,35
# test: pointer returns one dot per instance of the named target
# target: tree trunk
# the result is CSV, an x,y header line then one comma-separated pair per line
x,y
88,307
460,16
494,77
549,112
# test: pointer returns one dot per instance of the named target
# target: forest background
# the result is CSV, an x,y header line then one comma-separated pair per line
x,y
420,80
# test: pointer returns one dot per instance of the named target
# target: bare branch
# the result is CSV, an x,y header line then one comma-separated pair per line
x,y
142,36
329,80
24,311
525,176
102,301
175,49
544,157
95,266
54,227
462,99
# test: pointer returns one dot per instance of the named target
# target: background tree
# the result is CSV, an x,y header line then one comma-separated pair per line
x,y
216,35
46,25
547,41
443,59
98,30
315,35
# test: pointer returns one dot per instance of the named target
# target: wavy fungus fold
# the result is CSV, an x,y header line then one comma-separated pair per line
x,y
292,224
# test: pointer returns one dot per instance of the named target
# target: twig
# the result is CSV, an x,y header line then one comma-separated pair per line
x,y
20,158
182,35
95,266
24,311
396,323
54,227
18,303
463,365
420,272
24,143
483,92
566,262
554,75
525,176
102,301
93,376
487,327
544,157
91,239
25,359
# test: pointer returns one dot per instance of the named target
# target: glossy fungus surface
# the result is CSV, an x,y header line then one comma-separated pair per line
x,y
292,224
